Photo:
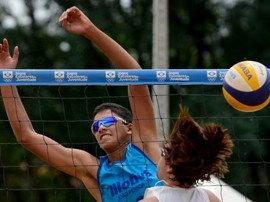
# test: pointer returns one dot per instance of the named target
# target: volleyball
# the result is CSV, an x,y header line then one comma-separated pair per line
x,y
246,86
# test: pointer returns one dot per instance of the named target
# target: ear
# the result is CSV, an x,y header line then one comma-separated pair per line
x,y
169,169
129,128
170,173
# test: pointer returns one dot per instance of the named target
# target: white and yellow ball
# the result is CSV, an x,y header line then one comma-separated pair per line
x,y
246,86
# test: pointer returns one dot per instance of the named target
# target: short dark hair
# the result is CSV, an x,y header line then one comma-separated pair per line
x,y
121,111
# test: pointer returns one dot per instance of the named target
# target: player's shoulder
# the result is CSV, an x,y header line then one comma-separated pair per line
x,y
212,197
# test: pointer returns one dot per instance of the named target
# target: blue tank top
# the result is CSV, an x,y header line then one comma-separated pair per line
x,y
126,180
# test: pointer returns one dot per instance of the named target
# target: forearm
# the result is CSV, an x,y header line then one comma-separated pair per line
x,y
117,54
139,95
16,113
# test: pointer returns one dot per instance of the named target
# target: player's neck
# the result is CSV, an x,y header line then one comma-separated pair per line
x,y
119,154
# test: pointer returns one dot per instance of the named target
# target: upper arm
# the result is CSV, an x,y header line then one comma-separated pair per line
x,y
144,133
143,113
75,162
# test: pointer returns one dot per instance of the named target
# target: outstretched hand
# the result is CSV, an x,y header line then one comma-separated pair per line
x,y
75,21
6,60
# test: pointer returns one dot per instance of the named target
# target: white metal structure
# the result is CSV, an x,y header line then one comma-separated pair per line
x,y
161,61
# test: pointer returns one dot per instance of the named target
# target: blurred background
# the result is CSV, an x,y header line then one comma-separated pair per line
x,y
202,34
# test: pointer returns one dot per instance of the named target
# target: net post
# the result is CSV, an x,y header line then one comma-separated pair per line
x,y
160,61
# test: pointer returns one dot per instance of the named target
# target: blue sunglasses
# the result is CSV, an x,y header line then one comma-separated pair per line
x,y
106,121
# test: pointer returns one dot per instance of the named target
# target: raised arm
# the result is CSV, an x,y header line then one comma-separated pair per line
x,y
75,21
71,161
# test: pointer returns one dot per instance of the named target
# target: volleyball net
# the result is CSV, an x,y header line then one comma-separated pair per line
x,y
60,103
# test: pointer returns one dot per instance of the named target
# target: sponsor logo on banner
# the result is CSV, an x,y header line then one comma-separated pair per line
x,y
76,77
7,76
211,75
125,76
176,76
161,75
23,76
59,76
110,76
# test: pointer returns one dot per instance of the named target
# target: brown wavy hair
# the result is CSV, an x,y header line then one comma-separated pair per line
x,y
196,152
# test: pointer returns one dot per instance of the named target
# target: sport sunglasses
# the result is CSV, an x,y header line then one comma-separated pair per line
x,y
106,121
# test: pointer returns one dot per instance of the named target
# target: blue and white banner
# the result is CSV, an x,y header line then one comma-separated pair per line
x,y
113,77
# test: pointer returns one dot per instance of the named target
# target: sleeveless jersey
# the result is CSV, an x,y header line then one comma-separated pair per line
x,y
126,180
169,194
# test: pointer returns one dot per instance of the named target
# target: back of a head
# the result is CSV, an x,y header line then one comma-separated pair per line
x,y
197,152
115,108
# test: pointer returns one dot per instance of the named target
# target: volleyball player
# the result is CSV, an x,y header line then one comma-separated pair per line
x,y
191,155
129,140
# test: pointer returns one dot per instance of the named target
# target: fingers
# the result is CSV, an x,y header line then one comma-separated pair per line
x,y
65,23
4,48
62,17
1,47
68,14
5,45
16,53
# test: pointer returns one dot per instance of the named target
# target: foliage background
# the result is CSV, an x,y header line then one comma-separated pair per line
x,y
203,34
